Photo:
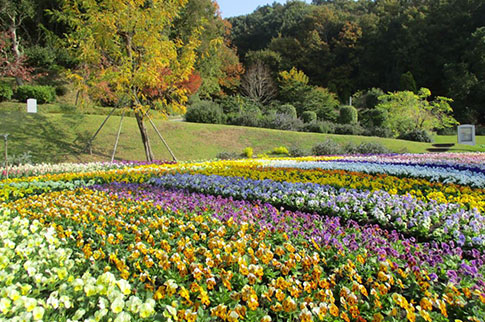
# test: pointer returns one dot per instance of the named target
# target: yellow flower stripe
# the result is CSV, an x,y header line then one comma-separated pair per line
x,y
420,188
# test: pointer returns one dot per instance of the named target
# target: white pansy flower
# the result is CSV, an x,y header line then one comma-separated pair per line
x,y
117,305
38,313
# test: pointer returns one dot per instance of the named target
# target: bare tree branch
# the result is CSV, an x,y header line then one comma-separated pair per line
x,y
258,84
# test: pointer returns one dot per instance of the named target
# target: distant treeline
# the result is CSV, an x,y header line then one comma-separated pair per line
x,y
347,46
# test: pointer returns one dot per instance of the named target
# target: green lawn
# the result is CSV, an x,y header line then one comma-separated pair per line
x,y
56,137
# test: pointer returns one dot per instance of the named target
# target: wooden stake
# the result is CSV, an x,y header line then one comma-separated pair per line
x,y
161,137
117,137
90,142
5,136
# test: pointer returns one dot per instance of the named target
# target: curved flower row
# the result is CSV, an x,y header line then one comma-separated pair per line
x,y
419,188
27,170
404,213
201,267
436,174
324,230
476,159
20,187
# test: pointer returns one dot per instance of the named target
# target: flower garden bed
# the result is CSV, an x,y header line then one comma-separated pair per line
x,y
344,238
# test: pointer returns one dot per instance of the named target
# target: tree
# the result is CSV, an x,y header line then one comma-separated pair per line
x,y
10,64
407,82
407,111
217,62
12,15
127,46
258,83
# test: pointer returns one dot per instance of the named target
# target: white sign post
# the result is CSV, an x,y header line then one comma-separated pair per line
x,y
31,105
466,134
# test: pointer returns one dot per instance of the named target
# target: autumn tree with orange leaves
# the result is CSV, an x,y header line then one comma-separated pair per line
x,y
130,54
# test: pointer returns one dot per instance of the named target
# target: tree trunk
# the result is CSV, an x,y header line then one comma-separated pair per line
x,y
144,136
15,49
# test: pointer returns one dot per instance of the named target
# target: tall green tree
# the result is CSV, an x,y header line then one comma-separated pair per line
x,y
407,111
128,53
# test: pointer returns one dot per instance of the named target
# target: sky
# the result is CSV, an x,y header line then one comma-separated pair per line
x,y
231,8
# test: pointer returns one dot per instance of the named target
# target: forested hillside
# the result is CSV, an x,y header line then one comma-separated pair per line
x,y
285,66
347,46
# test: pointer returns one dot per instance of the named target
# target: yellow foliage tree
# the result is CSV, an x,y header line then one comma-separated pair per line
x,y
129,55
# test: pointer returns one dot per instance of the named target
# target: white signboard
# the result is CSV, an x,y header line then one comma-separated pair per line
x,y
466,134
31,105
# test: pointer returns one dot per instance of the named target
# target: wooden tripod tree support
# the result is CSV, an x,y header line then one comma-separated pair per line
x,y
117,137
161,137
5,137
90,142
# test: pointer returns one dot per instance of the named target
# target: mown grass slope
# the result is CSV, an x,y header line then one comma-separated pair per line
x,y
57,137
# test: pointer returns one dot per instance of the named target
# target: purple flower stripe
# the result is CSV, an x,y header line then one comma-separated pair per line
x,y
445,258
427,220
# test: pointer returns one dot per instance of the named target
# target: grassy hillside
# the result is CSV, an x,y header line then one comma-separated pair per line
x,y
56,137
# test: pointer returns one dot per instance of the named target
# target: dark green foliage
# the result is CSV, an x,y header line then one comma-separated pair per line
x,y
348,115
417,136
378,131
328,147
286,109
6,92
366,148
43,94
41,57
61,90
364,100
319,127
347,46
309,116
407,82
205,112
349,129
373,117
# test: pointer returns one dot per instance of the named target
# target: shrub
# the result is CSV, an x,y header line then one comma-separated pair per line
x,y
280,150
248,152
417,136
367,99
348,129
378,131
282,122
309,116
226,155
366,148
479,130
39,56
328,147
348,115
286,109
231,104
6,92
373,117
296,151
43,94
253,119
205,112
61,90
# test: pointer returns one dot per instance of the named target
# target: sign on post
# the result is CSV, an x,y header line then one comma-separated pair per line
x,y
31,105
466,134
